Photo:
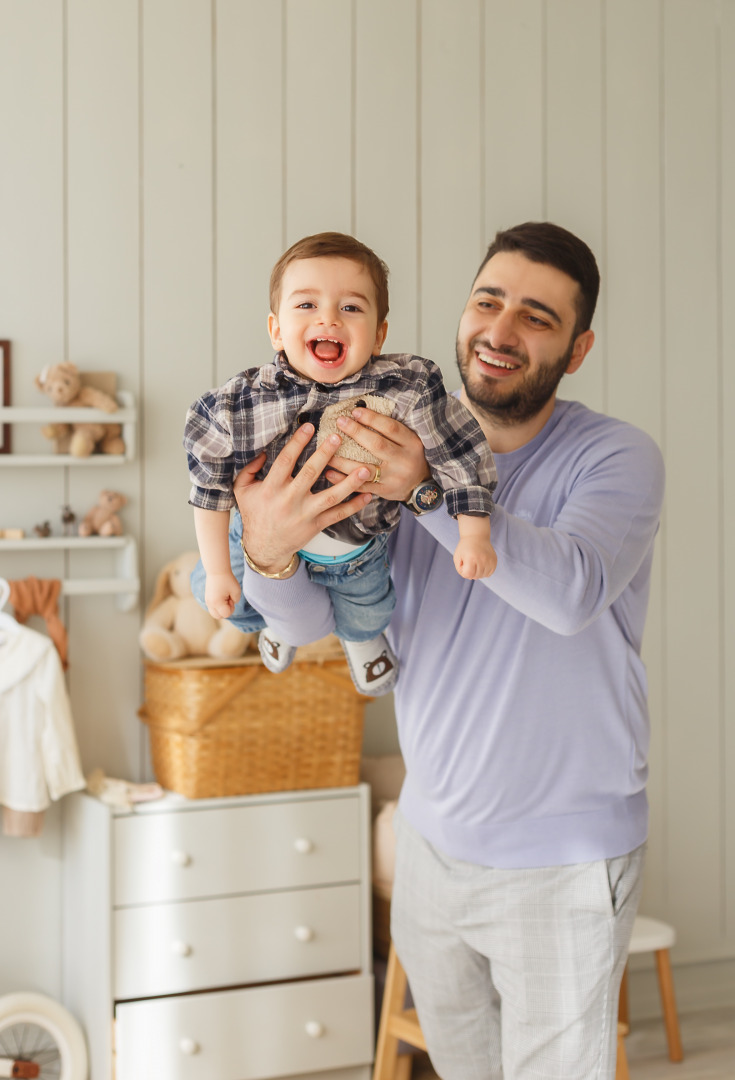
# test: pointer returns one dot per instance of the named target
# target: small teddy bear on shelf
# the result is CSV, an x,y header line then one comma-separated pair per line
x,y
102,519
63,384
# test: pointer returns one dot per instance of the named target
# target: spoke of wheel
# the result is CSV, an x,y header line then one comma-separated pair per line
x,y
38,1043
23,1040
11,1048
48,1072
47,1059
47,1056
31,1042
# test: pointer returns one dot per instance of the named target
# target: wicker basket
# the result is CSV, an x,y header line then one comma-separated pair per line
x,y
238,729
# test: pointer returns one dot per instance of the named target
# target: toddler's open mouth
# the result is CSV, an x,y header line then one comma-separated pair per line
x,y
327,350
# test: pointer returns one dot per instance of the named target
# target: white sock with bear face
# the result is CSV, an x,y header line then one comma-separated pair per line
x,y
274,652
373,665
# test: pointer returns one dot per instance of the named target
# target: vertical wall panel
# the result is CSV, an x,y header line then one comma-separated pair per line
x,y
32,281
635,345
32,316
692,414
386,154
386,207
249,206
31,190
104,335
574,147
318,117
633,271
177,258
450,185
726,70
514,163
103,177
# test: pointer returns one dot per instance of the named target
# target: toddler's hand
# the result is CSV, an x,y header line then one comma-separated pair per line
x,y
221,594
474,557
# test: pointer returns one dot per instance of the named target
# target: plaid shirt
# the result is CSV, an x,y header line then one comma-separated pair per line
x,y
261,408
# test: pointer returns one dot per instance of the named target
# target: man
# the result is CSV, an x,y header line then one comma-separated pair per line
x,y
521,703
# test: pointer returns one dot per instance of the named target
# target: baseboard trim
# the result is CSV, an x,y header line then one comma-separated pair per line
x,y
698,986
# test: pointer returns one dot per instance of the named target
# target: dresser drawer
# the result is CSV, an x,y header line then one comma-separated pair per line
x,y
213,852
270,1031
200,944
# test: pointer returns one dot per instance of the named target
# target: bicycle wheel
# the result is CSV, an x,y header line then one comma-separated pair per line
x,y
38,1029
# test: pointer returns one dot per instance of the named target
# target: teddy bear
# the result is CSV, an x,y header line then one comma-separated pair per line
x,y
63,384
176,626
102,519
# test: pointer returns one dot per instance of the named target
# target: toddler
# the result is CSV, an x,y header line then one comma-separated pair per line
x,y
327,324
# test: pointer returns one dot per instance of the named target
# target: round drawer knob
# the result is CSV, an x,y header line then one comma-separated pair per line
x,y
180,858
303,845
304,933
181,948
314,1029
189,1046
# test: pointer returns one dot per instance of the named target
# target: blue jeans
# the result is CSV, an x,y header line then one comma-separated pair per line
x,y
361,590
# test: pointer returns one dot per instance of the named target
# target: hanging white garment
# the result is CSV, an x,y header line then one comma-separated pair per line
x,y
39,758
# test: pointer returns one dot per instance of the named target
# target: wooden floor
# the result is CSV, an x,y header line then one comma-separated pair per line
x,y
709,1049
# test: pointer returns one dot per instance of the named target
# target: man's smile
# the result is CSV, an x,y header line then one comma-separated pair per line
x,y
496,359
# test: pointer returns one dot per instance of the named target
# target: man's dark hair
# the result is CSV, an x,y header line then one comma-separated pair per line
x,y
542,242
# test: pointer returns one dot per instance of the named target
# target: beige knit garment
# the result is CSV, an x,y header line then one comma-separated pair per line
x,y
328,425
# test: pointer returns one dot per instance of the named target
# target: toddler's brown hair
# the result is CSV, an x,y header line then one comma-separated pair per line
x,y
333,245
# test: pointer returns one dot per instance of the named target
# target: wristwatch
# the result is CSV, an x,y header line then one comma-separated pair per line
x,y
425,496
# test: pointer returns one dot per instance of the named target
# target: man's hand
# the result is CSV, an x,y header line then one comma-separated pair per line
x,y
280,514
399,450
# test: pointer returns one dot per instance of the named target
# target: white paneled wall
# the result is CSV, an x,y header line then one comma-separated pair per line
x,y
101,223
33,314
633,282
157,156
386,149
726,385
692,404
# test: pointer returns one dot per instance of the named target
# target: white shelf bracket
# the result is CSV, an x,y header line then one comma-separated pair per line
x,y
127,571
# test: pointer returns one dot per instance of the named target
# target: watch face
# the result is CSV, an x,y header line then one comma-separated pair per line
x,y
427,497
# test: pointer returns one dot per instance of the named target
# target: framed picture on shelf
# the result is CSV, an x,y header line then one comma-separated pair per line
x,y
4,394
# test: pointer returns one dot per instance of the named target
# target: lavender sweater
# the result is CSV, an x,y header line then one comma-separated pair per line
x,y
521,701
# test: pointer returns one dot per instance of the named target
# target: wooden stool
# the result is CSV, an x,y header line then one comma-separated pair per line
x,y
397,1023
651,935
621,1062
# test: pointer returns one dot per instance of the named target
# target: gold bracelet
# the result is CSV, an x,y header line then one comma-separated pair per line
x,y
285,573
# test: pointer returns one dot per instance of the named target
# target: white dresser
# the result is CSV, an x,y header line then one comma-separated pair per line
x,y
225,938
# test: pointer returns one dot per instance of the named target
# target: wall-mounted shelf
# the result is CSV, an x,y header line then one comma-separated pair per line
x,y
126,415
125,585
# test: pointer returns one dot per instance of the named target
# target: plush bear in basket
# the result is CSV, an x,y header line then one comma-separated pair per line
x,y
63,384
176,626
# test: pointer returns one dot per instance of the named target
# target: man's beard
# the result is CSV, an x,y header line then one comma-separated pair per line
x,y
528,398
